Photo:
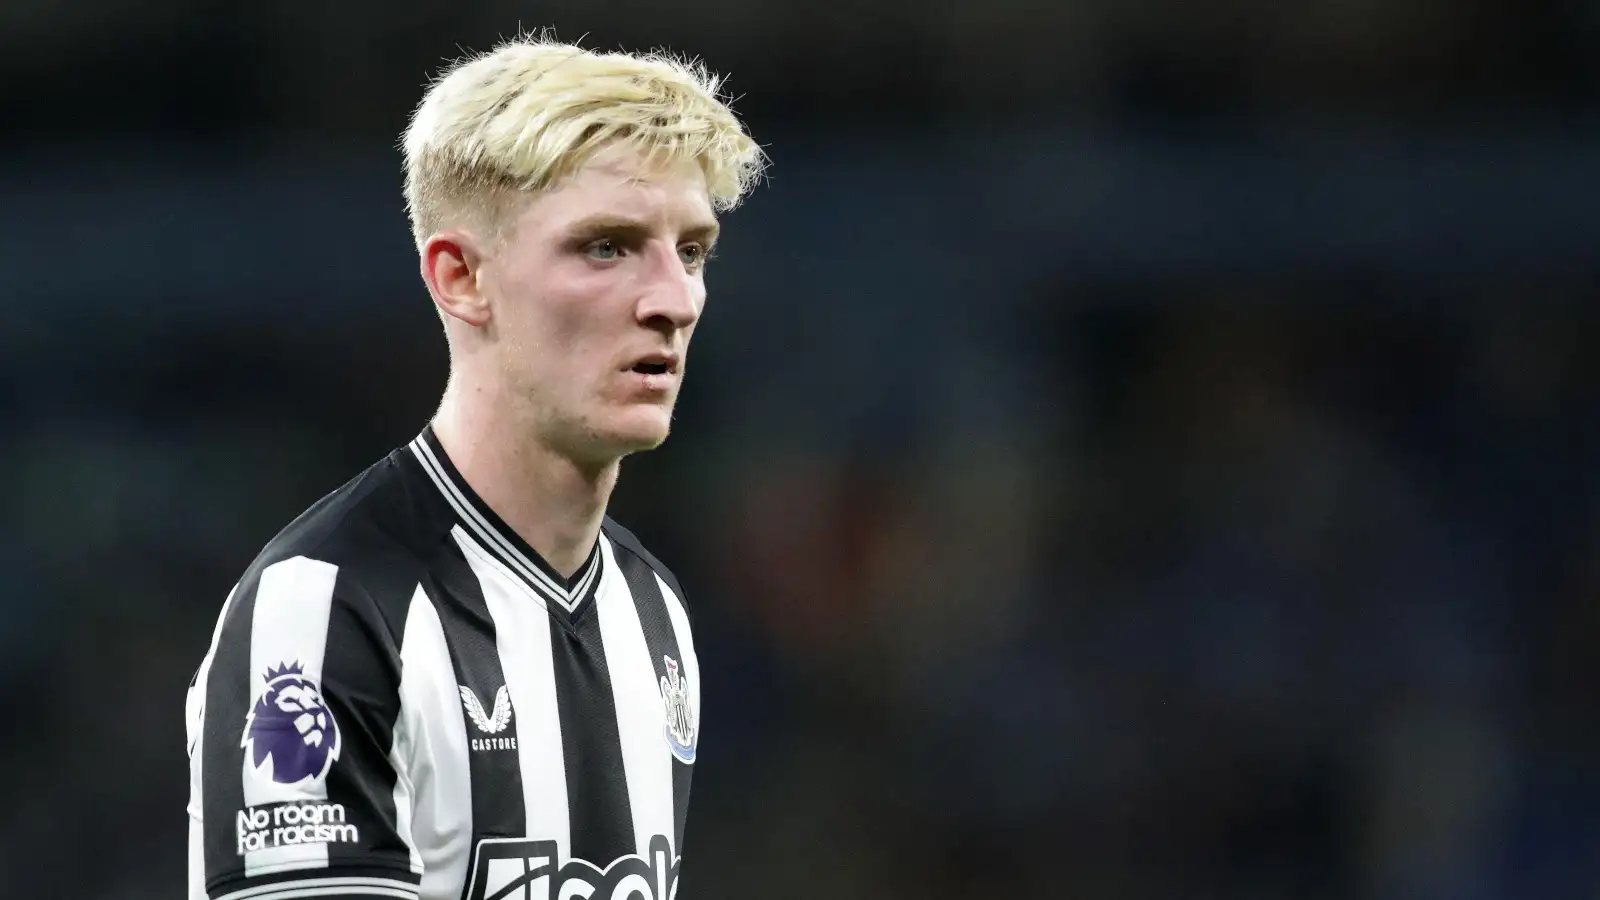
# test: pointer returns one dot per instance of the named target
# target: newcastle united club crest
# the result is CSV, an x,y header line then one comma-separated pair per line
x,y
680,726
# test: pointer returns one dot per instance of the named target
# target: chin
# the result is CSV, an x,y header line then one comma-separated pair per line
x,y
636,430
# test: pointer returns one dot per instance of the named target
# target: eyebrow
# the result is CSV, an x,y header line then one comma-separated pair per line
x,y
608,223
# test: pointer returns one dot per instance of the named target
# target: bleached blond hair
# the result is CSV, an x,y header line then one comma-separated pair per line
x,y
499,126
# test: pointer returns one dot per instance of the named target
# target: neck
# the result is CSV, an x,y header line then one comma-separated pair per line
x,y
550,501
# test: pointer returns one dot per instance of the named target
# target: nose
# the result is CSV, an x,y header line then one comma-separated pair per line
x,y
673,296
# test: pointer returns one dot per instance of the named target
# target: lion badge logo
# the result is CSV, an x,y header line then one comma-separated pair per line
x,y
291,728
680,725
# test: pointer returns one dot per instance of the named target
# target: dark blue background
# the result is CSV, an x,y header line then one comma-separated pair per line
x,y
1134,450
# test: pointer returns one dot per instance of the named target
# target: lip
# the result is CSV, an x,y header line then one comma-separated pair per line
x,y
655,387
665,358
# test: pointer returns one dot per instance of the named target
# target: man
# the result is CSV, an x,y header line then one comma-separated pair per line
x,y
455,676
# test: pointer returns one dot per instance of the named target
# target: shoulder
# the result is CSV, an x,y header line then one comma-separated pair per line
x,y
629,543
330,593
363,545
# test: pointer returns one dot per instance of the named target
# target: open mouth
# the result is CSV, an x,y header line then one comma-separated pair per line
x,y
661,364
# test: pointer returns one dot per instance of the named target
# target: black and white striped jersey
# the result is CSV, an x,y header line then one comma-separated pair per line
x,y
402,699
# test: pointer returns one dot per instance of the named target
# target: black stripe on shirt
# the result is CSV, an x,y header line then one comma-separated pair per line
x,y
362,662
599,811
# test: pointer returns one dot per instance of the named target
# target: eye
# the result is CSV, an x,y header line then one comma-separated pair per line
x,y
693,255
604,249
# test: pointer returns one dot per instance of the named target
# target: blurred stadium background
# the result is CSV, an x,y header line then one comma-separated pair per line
x,y
1175,425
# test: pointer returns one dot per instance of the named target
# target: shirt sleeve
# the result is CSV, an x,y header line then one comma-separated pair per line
x,y
291,728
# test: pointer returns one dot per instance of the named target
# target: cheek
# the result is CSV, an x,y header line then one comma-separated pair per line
x,y
570,299
541,317
586,316
563,322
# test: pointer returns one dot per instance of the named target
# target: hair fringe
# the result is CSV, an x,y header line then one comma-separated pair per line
x,y
527,114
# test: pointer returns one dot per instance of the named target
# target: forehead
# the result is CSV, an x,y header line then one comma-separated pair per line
x,y
618,183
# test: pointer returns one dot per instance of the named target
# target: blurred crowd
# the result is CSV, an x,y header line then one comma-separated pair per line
x,y
1030,555
353,68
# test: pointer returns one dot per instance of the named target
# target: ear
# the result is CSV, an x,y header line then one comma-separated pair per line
x,y
452,267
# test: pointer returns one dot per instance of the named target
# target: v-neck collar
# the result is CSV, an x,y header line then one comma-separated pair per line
x,y
497,538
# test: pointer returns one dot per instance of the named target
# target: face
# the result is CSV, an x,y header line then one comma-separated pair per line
x,y
592,300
